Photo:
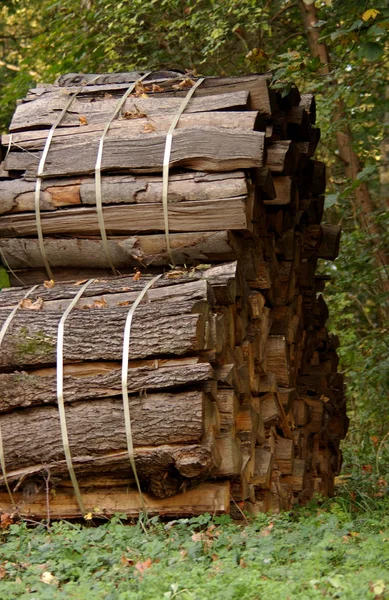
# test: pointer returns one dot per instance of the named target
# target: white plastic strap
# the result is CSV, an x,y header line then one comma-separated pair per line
x,y
60,399
3,331
126,403
41,168
166,163
98,188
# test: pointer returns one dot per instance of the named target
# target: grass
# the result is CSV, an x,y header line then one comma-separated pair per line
x,y
322,551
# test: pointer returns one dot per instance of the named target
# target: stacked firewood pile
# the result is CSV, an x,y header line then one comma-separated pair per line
x,y
233,387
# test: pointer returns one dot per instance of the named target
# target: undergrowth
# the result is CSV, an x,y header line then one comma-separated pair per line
x,y
330,549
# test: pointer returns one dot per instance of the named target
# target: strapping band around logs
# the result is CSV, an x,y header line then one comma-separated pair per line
x,y
126,403
60,400
166,163
38,184
3,331
98,188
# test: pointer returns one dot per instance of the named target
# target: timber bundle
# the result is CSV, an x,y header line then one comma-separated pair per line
x,y
234,398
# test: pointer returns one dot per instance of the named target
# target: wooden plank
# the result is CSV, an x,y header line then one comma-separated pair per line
x,y
213,498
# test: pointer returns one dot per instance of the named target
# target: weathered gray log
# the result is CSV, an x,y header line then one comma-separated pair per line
x,y
99,380
33,436
136,123
203,149
126,253
204,283
261,97
166,328
18,195
43,111
123,219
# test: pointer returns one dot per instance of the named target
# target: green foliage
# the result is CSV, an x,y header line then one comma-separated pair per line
x,y
321,551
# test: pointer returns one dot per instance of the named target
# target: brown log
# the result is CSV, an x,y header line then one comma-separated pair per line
x,y
158,329
205,149
87,381
213,498
134,218
282,157
277,358
126,253
263,468
32,437
286,192
18,195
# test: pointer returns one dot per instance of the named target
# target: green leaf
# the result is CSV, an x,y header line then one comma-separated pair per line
x,y
4,279
370,50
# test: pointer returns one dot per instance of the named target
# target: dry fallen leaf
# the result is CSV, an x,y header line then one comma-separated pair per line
x,y
28,304
185,83
6,520
141,567
124,303
134,114
80,282
49,284
156,88
149,128
83,121
3,572
127,562
100,303
137,275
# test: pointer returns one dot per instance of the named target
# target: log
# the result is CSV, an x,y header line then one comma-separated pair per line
x,y
219,284
200,149
282,157
286,192
136,124
126,253
159,329
18,195
134,218
213,498
262,98
32,436
89,381
42,112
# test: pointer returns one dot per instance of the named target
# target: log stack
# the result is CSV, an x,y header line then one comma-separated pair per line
x,y
235,398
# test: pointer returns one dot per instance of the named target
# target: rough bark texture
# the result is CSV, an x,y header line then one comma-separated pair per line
x,y
96,428
165,329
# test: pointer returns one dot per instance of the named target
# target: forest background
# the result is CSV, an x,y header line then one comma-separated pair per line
x,y
338,49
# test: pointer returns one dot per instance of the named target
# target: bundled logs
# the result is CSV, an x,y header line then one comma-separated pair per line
x,y
234,394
